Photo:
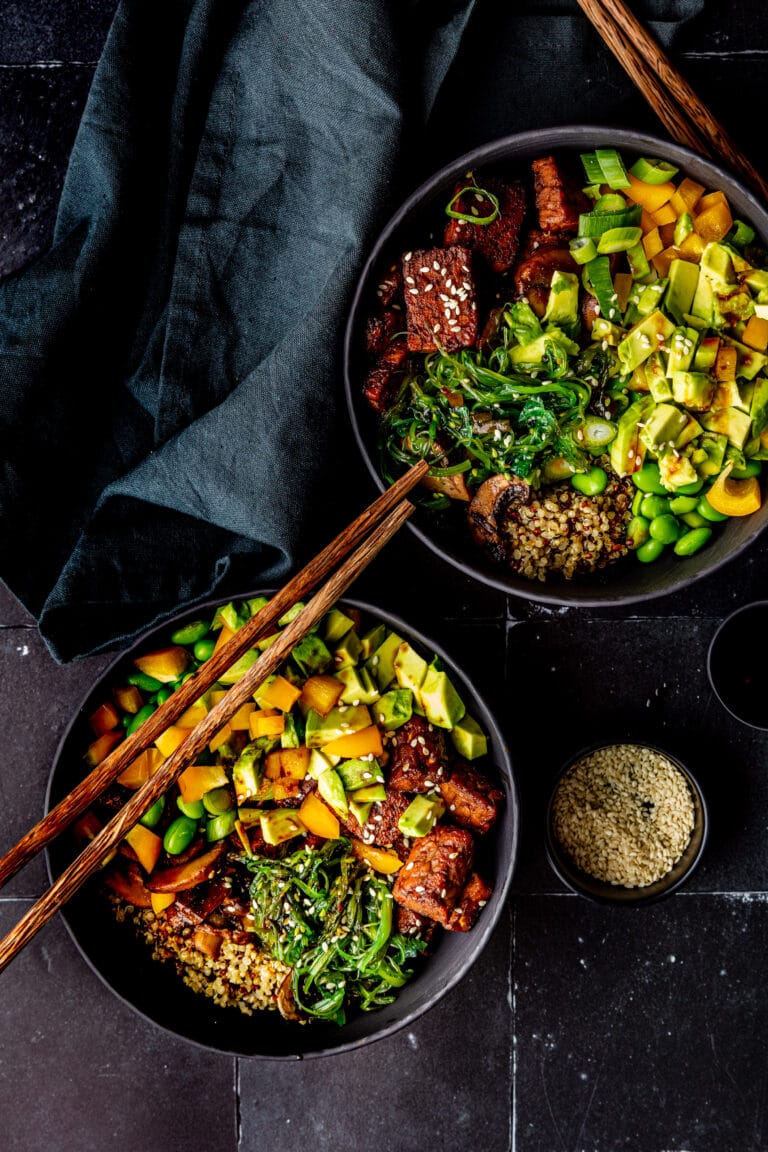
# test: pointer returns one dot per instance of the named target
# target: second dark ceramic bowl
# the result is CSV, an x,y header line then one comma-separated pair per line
x,y
736,664
413,226
124,964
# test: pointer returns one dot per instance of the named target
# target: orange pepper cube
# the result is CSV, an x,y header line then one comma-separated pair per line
x,y
690,192
379,859
193,715
665,215
225,635
104,719
240,722
168,741
318,819
650,196
102,746
129,699
294,762
278,692
662,261
273,765
220,738
692,248
166,664
285,788
714,223
652,243
363,743
266,723
725,363
161,901
756,333
198,779
140,769
146,844
321,693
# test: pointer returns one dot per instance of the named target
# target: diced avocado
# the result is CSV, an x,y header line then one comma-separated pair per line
x,y
663,425
563,302
368,794
638,381
410,668
265,641
280,824
240,667
347,652
605,331
716,264
394,708
339,722
757,279
676,470
371,640
360,809
229,616
289,616
732,306
703,302
318,763
468,738
656,376
690,432
650,297
627,449
420,816
683,278
331,788
532,353
246,773
358,686
693,390
256,603
441,702
682,348
709,453
311,655
356,774
749,362
706,353
335,625
291,736
381,664
728,395
730,422
644,338
758,409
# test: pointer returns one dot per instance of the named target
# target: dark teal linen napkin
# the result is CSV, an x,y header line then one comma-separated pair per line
x,y
171,416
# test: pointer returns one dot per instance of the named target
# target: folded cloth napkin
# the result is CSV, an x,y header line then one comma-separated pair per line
x,y
171,415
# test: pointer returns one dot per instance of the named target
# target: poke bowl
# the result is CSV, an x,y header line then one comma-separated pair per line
x,y
294,895
571,325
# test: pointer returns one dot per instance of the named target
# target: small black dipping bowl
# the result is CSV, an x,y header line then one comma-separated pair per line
x,y
154,990
736,664
601,891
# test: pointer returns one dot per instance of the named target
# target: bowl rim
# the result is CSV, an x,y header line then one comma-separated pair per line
x,y
618,896
724,623
481,932
558,136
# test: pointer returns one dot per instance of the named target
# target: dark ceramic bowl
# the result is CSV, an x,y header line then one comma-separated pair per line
x,y
601,891
736,664
155,991
413,226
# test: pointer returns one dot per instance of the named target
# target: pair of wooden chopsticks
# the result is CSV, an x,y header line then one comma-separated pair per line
x,y
351,551
684,115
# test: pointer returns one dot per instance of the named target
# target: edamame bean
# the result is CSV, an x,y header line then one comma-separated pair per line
x,y
751,468
179,835
650,551
190,633
203,649
139,717
152,816
218,800
141,680
648,479
591,483
637,532
221,826
691,489
705,509
690,542
162,694
693,520
653,506
192,808
680,504
637,500
665,529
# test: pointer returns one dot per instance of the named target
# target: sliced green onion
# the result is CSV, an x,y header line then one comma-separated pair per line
x,y
618,240
653,171
611,202
741,234
602,284
582,249
683,227
473,217
638,262
592,168
595,223
592,192
597,433
612,165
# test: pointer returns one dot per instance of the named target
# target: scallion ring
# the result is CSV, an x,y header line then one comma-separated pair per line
x,y
653,171
473,218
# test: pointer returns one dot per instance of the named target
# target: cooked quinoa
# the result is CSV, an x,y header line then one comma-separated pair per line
x,y
624,814
241,976
564,532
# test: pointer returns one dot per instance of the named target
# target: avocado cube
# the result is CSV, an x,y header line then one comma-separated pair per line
x,y
247,772
676,470
280,824
757,279
650,297
644,338
356,774
382,663
331,788
681,289
606,332
758,409
656,377
691,430
360,809
706,353
442,704
732,306
728,395
716,264
311,655
410,668
682,348
749,362
663,425
627,450
291,736
709,453
703,303
371,640
730,422
468,738
693,390
394,708
368,794
531,353
318,763
347,652
240,667
339,722
289,616
421,815
335,625
563,301
359,688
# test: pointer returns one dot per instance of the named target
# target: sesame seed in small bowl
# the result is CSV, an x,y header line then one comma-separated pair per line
x,y
626,823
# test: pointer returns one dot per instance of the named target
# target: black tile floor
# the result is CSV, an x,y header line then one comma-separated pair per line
x,y
580,1029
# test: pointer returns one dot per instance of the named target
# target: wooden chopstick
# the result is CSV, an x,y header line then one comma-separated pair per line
x,y
260,625
684,115
89,860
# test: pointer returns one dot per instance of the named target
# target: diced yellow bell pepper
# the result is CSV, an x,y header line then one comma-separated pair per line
x,y
129,699
651,196
622,286
220,738
667,234
318,819
665,215
102,746
273,767
713,223
734,497
380,859
198,779
647,222
710,200
652,244
104,719
166,664
725,363
321,693
146,844
690,192
161,901
140,769
662,260
266,723
278,693
169,741
285,788
294,762
363,743
678,204
240,722
692,248
755,333
193,715
225,635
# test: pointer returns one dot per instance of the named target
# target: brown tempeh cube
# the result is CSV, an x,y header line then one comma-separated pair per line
x,y
435,872
498,241
418,754
558,202
410,924
470,904
440,299
381,826
472,800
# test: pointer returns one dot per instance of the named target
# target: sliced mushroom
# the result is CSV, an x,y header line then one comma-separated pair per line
x,y
286,1004
487,508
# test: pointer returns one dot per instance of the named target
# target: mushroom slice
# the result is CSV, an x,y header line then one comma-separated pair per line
x,y
489,505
